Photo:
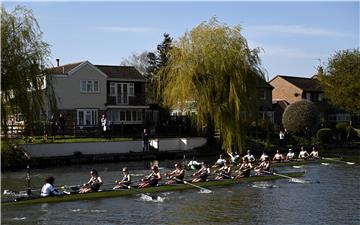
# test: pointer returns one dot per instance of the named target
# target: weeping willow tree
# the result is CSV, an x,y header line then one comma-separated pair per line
x,y
213,66
23,61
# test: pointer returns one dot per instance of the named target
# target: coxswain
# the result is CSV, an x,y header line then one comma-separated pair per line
x,y
48,188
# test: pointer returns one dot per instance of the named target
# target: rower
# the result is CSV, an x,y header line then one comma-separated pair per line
x,y
290,156
235,158
48,188
176,176
152,180
193,164
224,172
125,181
250,157
278,157
220,162
263,156
202,174
303,153
93,185
264,166
245,169
314,154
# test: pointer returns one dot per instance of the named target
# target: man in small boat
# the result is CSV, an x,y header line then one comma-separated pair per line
x,y
303,153
278,157
93,185
290,156
48,188
263,156
152,180
263,166
176,176
314,154
250,156
245,169
202,174
125,181
235,158
220,162
224,172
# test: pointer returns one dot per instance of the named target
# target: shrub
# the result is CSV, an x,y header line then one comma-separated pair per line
x,y
325,135
301,117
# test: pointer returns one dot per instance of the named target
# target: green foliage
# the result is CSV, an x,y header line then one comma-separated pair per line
x,y
341,79
325,135
213,66
346,131
11,155
23,59
156,61
301,117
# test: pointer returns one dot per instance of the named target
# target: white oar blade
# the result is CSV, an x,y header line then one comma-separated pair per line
x,y
299,181
205,191
350,163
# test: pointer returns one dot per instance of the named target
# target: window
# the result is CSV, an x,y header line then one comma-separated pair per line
x,y
89,86
87,117
121,116
122,91
112,89
262,95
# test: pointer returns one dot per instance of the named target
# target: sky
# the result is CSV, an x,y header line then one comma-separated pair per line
x,y
295,36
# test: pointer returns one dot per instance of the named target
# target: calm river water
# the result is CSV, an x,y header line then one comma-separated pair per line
x,y
332,197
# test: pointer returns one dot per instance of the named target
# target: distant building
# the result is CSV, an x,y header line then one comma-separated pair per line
x,y
85,91
288,89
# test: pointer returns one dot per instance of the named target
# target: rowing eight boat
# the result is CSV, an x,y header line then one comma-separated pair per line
x,y
125,192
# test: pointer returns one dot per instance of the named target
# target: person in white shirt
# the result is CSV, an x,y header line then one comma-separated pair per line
x,y
291,155
235,158
220,162
48,188
250,157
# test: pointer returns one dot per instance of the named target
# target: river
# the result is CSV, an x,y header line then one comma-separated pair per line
x,y
331,197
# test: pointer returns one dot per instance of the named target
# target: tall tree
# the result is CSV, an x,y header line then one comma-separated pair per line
x,y
139,61
213,66
158,60
24,57
340,79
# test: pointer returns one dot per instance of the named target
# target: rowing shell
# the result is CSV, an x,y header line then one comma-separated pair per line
x,y
126,192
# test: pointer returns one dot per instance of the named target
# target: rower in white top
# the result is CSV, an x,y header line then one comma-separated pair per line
x,y
48,188
290,156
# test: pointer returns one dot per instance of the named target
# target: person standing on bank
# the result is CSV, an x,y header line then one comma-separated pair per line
x,y
105,127
145,141
62,124
54,126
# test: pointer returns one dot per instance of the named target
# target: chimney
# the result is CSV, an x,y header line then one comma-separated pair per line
x,y
58,62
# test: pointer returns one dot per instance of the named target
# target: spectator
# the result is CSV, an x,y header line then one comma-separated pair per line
x,y
54,126
145,141
62,124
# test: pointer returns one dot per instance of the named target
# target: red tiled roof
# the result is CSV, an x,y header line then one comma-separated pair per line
x,y
307,84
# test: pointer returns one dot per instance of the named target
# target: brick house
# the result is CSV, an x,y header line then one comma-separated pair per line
x,y
289,89
85,91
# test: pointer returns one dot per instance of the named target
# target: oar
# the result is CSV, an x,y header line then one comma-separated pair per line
x,y
191,184
296,180
335,160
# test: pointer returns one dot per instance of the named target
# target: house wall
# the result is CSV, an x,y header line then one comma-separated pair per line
x,y
285,90
67,89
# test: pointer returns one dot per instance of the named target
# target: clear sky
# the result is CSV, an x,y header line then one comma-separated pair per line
x,y
293,35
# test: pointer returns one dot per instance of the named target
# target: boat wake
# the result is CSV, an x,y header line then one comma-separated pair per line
x,y
263,185
19,218
204,191
147,198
